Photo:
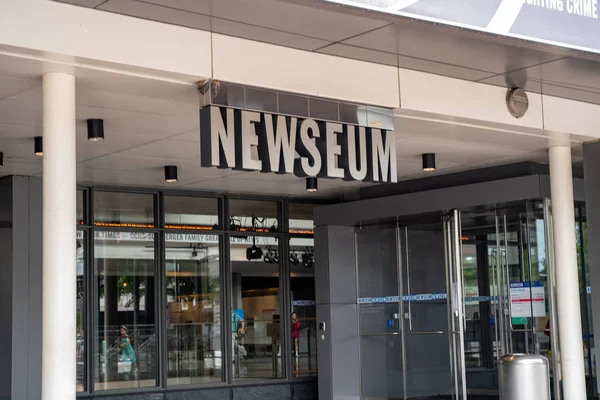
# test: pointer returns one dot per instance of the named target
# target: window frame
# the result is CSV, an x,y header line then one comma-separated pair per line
x,y
224,233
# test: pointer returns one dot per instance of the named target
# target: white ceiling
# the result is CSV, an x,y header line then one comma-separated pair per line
x,y
150,124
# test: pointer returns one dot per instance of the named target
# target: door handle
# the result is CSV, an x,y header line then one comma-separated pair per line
x,y
381,334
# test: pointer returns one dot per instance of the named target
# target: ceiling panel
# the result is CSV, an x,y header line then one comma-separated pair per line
x,y
136,123
454,152
443,45
16,168
507,140
157,13
19,150
84,3
359,53
184,102
587,95
292,18
12,86
197,6
19,111
87,150
119,177
266,35
11,131
169,149
514,79
123,162
577,73
191,136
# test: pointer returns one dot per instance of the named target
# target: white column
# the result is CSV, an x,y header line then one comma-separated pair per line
x,y
59,239
567,279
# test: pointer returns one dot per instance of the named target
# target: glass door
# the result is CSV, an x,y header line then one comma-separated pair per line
x,y
411,309
428,359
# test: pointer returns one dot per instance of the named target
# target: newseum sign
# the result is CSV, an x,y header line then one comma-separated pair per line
x,y
258,141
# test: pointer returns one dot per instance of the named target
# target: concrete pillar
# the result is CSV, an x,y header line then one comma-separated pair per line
x,y
591,165
59,290
567,287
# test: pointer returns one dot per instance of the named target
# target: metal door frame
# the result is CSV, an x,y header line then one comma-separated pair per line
x,y
455,303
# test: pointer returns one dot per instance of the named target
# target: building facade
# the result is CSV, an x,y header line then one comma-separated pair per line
x,y
336,199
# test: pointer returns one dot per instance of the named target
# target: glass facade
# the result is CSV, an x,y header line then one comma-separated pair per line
x,y
158,273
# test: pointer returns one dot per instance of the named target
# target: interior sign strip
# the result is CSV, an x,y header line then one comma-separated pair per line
x,y
419,297
258,141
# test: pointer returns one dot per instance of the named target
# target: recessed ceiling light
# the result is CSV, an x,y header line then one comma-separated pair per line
x,y
170,173
95,129
38,147
429,162
311,184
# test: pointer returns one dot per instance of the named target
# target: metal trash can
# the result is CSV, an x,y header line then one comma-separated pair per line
x,y
524,377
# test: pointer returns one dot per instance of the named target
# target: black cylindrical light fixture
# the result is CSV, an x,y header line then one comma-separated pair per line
x,y
311,184
38,146
429,162
1,159
95,128
170,173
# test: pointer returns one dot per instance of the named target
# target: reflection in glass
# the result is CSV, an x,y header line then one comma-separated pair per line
x,y
256,309
130,210
193,213
80,210
193,309
253,215
125,326
304,309
80,343
301,219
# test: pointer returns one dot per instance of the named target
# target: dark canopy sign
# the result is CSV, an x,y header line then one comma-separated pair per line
x,y
257,141
566,23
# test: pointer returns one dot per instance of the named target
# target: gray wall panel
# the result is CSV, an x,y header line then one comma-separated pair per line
x,y
321,265
591,164
324,361
6,289
342,265
344,351
35,288
578,188
460,197
20,283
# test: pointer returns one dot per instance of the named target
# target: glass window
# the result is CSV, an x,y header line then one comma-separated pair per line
x,y
80,208
256,308
304,309
125,327
301,219
195,213
193,308
253,215
130,210
80,268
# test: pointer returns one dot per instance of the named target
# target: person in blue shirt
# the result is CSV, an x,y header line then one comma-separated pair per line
x,y
238,330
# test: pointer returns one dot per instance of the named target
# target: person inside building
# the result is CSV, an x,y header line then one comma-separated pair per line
x,y
295,333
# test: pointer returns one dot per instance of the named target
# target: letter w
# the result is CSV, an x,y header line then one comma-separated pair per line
x,y
279,139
